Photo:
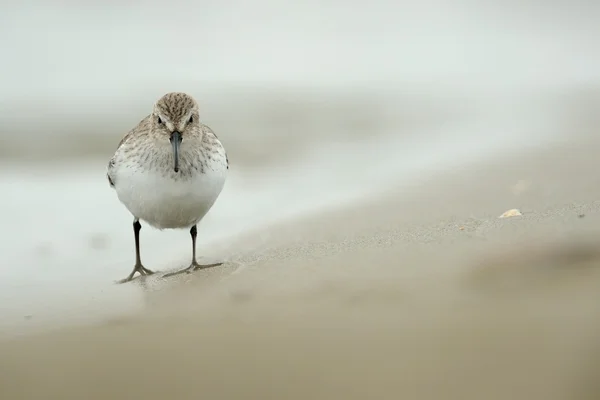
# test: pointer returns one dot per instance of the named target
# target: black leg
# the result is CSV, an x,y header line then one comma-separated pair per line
x,y
194,264
193,234
137,227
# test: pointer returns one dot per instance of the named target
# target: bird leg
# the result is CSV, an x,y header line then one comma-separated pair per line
x,y
138,267
194,264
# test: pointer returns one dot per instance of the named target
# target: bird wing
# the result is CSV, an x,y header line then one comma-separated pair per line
x,y
111,164
207,128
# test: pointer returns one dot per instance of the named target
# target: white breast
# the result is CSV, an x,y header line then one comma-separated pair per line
x,y
164,199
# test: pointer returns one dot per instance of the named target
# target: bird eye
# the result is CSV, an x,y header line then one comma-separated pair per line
x,y
159,120
191,119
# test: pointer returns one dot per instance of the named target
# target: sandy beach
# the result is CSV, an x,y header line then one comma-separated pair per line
x,y
372,148
422,293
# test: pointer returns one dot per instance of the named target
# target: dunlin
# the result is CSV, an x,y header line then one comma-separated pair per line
x,y
168,171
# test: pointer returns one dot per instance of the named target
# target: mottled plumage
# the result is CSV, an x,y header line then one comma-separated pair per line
x,y
169,170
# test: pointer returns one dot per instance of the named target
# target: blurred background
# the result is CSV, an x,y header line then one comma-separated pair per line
x,y
75,77
317,103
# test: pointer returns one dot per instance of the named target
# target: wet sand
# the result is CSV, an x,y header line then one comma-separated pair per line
x,y
419,292
66,237
372,148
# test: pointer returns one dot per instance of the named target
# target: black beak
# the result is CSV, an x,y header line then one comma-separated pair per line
x,y
175,142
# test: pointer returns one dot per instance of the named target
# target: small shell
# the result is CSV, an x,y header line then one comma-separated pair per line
x,y
511,213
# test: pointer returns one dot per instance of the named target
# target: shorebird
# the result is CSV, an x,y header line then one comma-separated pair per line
x,y
168,172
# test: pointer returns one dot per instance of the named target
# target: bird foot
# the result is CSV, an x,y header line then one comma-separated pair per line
x,y
194,266
143,271
197,266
